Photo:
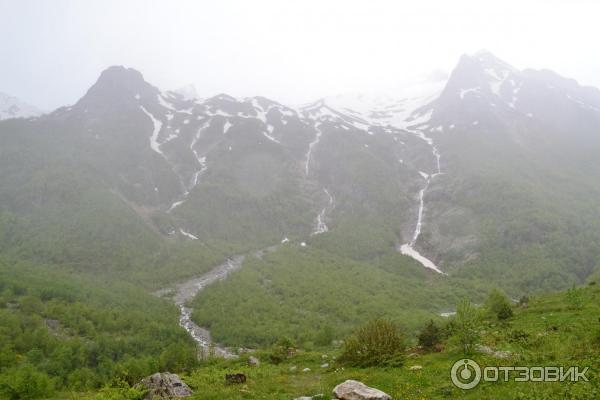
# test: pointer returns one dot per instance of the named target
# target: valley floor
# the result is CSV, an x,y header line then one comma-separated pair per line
x,y
554,330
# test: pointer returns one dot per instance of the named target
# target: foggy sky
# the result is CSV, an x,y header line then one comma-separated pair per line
x,y
294,52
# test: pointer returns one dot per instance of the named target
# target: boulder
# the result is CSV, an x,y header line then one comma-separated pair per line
x,y
253,361
355,390
164,385
235,378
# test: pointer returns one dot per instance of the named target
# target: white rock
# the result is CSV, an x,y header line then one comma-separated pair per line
x,y
355,390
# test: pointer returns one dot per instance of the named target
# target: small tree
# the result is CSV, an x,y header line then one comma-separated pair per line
x,y
499,305
430,336
283,349
378,343
466,326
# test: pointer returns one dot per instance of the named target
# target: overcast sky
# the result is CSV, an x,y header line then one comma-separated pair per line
x,y
52,51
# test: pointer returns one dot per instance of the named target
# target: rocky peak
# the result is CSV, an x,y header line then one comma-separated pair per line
x,y
116,88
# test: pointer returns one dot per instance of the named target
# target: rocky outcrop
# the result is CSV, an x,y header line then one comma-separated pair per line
x,y
355,390
164,386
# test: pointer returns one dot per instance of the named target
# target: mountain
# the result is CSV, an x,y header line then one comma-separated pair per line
x,y
11,107
486,177
489,178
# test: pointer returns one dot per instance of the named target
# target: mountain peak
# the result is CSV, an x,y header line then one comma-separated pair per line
x,y
478,74
489,61
117,85
120,78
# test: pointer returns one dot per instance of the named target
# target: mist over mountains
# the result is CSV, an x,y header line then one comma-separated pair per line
x,y
493,162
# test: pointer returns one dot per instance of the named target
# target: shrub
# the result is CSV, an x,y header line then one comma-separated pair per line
x,y
575,298
519,336
378,343
283,349
118,390
465,326
430,336
498,305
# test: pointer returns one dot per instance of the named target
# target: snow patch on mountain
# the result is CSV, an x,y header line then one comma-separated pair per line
x,y
187,92
12,107
157,126
187,234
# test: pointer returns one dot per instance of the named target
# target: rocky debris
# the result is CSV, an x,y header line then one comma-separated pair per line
x,y
164,385
253,361
416,367
326,365
235,378
494,353
355,390
316,396
306,370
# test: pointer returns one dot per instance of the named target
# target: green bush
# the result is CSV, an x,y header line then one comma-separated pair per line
x,y
118,390
575,298
499,305
430,336
283,349
378,343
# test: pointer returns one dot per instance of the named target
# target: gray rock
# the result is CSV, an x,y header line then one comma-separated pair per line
x,y
355,390
494,353
253,361
164,386
326,365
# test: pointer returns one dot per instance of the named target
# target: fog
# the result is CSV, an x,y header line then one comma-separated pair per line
x,y
52,51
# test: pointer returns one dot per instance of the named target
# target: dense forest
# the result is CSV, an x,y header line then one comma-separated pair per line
x,y
59,331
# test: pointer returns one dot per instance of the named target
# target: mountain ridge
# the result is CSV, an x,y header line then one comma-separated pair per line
x,y
297,173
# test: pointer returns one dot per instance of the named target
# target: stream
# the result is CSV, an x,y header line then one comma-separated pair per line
x,y
184,292
408,249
